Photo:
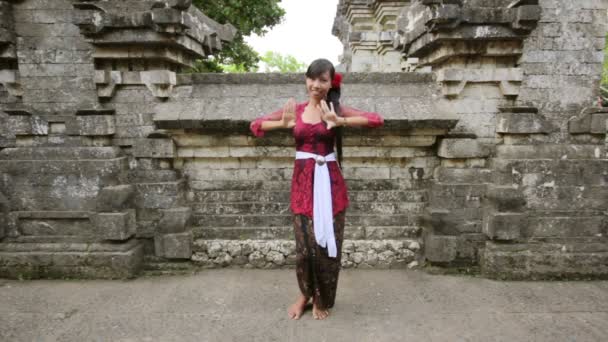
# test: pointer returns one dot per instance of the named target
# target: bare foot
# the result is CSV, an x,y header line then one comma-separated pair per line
x,y
319,313
296,309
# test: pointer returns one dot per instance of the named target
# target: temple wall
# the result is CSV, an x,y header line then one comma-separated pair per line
x,y
492,158
237,186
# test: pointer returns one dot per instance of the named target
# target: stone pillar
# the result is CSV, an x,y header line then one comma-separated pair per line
x,y
71,167
9,75
473,48
385,14
366,29
146,71
360,38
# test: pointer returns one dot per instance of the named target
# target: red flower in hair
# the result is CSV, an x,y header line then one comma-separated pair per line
x,y
337,81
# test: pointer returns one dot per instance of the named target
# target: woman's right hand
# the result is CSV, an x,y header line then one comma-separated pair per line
x,y
289,114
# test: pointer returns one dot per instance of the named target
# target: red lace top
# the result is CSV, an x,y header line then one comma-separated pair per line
x,y
315,138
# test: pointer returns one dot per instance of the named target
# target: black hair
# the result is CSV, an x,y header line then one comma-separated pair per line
x,y
317,68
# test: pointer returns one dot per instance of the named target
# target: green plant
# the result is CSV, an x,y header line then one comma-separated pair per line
x,y
276,62
248,16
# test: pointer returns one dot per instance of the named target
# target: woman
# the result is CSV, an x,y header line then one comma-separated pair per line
x,y
318,191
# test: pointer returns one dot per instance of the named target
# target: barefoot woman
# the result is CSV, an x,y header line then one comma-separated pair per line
x,y
318,191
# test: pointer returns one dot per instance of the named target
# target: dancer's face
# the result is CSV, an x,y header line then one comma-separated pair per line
x,y
319,86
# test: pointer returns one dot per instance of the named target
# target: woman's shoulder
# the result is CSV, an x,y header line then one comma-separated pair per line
x,y
300,107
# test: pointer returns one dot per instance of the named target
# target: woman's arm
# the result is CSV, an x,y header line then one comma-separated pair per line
x,y
282,118
355,117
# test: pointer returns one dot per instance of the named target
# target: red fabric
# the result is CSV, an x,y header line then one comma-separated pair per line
x,y
315,138
256,125
337,81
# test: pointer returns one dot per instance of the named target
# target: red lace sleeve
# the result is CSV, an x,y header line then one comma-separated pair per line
x,y
256,125
373,119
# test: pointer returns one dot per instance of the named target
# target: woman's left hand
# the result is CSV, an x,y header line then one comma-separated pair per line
x,y
329,115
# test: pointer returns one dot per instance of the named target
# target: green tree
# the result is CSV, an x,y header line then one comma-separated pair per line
x,y
248,16
275,62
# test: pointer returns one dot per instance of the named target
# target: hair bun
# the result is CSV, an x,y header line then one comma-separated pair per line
x,y
337,81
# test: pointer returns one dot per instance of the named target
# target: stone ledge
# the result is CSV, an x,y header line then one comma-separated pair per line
x,y
523,123
366,232
462,148
559,260
281,253
428,127
504,226
298,78
592,120
424,26
60,153
70,260
551,151
454,80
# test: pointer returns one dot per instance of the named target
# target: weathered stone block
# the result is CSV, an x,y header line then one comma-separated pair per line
x,y
27,125
565,259
599,123
158,195
551,151
462,176
4,207
174,220
439,221
522,123
462,148
71,260
448,196
580,125
115,198
441,249
155,148
505,198
115,226
504,226
591,120
455,80
159,82
91,125
173,246
559,225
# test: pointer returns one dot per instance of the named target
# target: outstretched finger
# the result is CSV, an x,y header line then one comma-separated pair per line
x,y
324,106
331,104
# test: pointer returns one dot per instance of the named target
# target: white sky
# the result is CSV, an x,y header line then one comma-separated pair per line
x,y
305,32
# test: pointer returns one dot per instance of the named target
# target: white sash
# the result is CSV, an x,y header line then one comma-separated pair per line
x,y
323,216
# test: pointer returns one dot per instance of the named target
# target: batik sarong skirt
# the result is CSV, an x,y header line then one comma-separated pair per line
x,y
317,273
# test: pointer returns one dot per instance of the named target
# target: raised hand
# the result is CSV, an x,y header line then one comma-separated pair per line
x,y
329,115
289,114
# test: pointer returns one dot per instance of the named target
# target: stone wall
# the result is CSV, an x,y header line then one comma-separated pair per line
x,y
67,196
237,186
524,81
493,154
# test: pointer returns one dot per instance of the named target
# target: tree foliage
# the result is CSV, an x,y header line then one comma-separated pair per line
x,y
276,62
248,16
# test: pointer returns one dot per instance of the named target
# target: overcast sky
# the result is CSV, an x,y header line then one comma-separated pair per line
x,y
305,32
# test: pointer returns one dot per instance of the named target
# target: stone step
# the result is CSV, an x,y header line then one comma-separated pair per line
x,y
286,220
153,266
281,253
283,208
286,232
71,260
223,196
353,184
